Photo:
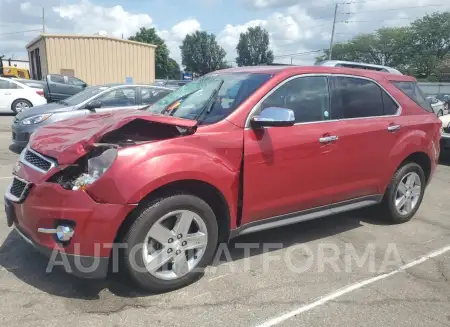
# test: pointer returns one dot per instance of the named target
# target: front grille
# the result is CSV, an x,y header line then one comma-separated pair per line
x,y
37,161
18,188
13,135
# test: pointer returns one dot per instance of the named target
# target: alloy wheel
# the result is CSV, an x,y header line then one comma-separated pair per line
x,y
21,105
175,244
408,193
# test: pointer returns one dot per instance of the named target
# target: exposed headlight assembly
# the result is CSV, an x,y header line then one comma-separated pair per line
x,y
35,119
96,167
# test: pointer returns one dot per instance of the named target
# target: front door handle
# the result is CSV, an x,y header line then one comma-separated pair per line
x,y
393,128
7,93
328,139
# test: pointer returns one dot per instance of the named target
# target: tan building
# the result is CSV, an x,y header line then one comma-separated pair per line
x,y
94,59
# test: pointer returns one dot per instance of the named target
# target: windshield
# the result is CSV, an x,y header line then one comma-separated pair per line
x,y
219,93
84,95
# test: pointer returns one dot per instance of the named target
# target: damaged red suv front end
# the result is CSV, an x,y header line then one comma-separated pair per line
x,y
57,202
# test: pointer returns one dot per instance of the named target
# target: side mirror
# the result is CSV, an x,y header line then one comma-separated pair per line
x,y
273,117
94,104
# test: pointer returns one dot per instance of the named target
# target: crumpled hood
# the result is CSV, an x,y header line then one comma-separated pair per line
x,y
70,139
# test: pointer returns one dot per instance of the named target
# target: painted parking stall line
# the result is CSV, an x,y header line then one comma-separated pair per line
x,y
348,289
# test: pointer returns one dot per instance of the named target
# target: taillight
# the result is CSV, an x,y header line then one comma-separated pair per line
x,y
41,93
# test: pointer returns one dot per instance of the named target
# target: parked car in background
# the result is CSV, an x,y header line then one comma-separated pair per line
x,y
171,83
57,87
445,133
94,99
193,170
444,98
437,105
16,96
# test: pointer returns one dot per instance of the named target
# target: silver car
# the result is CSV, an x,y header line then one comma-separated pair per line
x,y
94,99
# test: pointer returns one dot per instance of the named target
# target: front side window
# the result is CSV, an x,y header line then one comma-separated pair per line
x,y
356,98
75,81
119,98
307,96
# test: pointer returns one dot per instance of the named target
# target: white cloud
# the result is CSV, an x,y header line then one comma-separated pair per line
x,y
295,26
89,18
290,32
174,37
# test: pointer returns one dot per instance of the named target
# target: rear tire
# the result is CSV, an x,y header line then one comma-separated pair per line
x,y
404,194
166,228
19,105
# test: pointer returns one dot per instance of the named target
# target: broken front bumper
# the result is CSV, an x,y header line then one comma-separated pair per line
x,y
40,205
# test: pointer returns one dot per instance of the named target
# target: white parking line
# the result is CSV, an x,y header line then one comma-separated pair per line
x,y
9,177
351,288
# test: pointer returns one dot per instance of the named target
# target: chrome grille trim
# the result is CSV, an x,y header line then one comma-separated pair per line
x,y
23,160
23,194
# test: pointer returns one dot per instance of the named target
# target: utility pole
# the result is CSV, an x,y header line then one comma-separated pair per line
x,y
43,20
332,32
291,60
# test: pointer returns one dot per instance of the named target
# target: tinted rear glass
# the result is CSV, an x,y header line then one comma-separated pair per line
x,y
413,91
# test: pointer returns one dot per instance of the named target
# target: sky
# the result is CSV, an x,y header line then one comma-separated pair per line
x,y
299,29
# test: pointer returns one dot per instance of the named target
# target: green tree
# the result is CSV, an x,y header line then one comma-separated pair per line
x,y
253,47
419,49
173,69
201,53
386,46
430,42
149,35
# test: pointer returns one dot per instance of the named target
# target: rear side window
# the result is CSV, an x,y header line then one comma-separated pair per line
x,y
151,95
356,98
57,79
413,91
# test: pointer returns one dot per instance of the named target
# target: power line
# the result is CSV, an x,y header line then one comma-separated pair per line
x,y
354,13
374,20
18,32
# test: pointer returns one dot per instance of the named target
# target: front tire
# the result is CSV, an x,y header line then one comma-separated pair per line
x,y
19,105
404,194
170,242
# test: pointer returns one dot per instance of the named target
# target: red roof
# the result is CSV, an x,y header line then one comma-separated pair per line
x,y
294,70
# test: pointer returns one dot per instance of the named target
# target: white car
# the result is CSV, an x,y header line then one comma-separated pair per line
x,y
445,132
437,105
16,96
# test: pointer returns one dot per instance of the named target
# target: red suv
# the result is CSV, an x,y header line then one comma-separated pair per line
x,y
234,152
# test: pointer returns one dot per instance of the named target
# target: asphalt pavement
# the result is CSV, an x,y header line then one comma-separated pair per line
x,y
310,274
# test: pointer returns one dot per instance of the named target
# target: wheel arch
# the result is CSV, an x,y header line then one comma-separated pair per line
x,y
422,159
20,99
206,191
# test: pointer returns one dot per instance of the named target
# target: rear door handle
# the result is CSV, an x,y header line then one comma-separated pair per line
x,y
328,139
393,128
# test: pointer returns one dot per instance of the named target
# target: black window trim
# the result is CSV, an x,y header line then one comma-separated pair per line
x,y
328,75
